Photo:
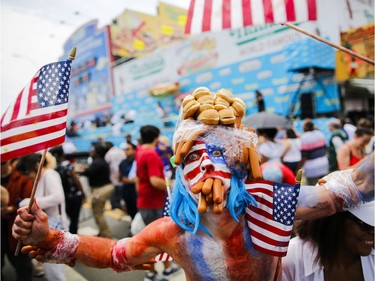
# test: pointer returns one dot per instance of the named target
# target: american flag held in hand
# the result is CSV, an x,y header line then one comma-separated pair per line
x,y
36,120
271,222
216,15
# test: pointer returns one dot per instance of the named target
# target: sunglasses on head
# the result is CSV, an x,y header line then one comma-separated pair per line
x,y
364,226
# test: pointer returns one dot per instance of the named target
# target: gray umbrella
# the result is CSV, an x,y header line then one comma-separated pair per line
x,y
266,120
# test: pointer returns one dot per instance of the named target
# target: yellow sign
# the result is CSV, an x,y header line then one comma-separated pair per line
x,y
172,13
165,29
360,41
135,34
138,45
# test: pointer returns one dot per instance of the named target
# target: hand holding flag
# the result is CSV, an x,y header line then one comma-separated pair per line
x,y
36,120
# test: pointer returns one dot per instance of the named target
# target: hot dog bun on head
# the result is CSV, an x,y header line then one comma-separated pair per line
x,y
213,108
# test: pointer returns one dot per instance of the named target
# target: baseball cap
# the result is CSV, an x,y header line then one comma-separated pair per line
x,y
364,212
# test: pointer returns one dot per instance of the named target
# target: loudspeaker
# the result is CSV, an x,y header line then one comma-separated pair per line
x,y
307,105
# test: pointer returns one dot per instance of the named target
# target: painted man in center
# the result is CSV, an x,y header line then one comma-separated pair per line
x,y
215,226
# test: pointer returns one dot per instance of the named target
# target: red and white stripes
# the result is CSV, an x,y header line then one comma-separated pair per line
x,y
216,15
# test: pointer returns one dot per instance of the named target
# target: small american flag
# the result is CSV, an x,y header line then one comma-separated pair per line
x,y
36,120
166,207
271,222
165,256
216,15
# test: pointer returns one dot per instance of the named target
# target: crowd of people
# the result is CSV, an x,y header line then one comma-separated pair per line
x,y
132,178
311,151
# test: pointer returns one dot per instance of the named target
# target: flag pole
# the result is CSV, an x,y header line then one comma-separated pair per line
x,y
41,164
73,53
168,188
341,48
299,176
32,196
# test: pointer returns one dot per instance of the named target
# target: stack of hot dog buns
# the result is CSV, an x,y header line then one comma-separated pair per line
x,y
219,109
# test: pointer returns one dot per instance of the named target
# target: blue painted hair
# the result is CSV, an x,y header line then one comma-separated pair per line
x,y
184,211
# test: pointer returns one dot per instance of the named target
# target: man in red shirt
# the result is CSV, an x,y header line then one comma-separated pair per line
x,y
151,182
151,185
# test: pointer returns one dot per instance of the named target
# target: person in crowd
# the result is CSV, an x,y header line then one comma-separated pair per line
x,y
162,112
291,155
367,124
348,127
130,116
260,101
269,150
165,152
4,197
338,247
281,133
98,174
351,153
128,139
69,147
151,186
127,177
114,156
49,196
17,187
73,129
336,141
73,190
314,153
102,141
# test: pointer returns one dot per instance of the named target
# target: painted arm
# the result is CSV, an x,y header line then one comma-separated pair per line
x,y
54,246
339,191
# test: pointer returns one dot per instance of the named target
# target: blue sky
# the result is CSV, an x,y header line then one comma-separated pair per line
x,y
33,33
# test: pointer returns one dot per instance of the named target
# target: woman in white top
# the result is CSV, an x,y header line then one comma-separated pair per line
x,y
339,247
291,155
269,150
50,197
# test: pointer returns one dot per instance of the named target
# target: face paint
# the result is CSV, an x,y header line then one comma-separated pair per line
x,y
205,161
216,154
